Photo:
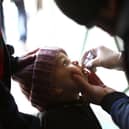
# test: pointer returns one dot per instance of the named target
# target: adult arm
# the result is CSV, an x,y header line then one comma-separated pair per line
x,y
117,105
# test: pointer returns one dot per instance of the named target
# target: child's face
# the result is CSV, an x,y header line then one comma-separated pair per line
x,y
66,88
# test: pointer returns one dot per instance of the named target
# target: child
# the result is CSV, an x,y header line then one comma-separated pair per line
x,y
48,84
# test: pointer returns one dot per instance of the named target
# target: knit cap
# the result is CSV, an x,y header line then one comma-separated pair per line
x,y
36,79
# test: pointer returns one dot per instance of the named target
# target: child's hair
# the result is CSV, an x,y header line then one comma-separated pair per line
x,y
36,79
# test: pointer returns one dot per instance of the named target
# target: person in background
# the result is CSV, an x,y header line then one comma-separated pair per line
x,y
39,5
22,19
48,85
113,17
2,25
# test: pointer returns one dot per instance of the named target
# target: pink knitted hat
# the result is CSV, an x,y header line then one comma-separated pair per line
x,y
42,81
36,79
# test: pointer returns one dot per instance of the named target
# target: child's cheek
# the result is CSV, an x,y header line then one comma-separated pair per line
x,y
92,77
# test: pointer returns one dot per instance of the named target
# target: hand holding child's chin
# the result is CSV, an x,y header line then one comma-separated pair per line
x,y
90,92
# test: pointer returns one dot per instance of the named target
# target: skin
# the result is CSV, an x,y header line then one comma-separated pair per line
x,y
93,93
65,87
27,59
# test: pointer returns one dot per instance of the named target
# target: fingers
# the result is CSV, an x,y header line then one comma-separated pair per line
x,y
93,93
32,53
93,63
27,59
30,56
90,59
89,55
83,85
88,91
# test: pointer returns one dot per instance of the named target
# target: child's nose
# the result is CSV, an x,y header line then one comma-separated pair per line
x,y
75,63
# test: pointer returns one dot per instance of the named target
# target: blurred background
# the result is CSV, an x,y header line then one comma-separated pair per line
x,y
47,26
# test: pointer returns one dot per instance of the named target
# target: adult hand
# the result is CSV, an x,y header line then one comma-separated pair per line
x,y
103,57
27,59
92,93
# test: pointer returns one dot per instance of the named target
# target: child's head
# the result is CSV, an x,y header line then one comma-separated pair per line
x,y
48,80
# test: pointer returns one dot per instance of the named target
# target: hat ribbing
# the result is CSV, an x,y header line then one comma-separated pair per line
x,y
36,79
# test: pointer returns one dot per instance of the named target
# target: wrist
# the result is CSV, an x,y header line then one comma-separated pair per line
x,y
109,99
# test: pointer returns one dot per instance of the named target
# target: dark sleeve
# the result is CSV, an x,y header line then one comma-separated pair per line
x,y
13,60
14,64
10,117
117,105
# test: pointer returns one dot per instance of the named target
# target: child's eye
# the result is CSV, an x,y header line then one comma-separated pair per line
x,y
65,62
